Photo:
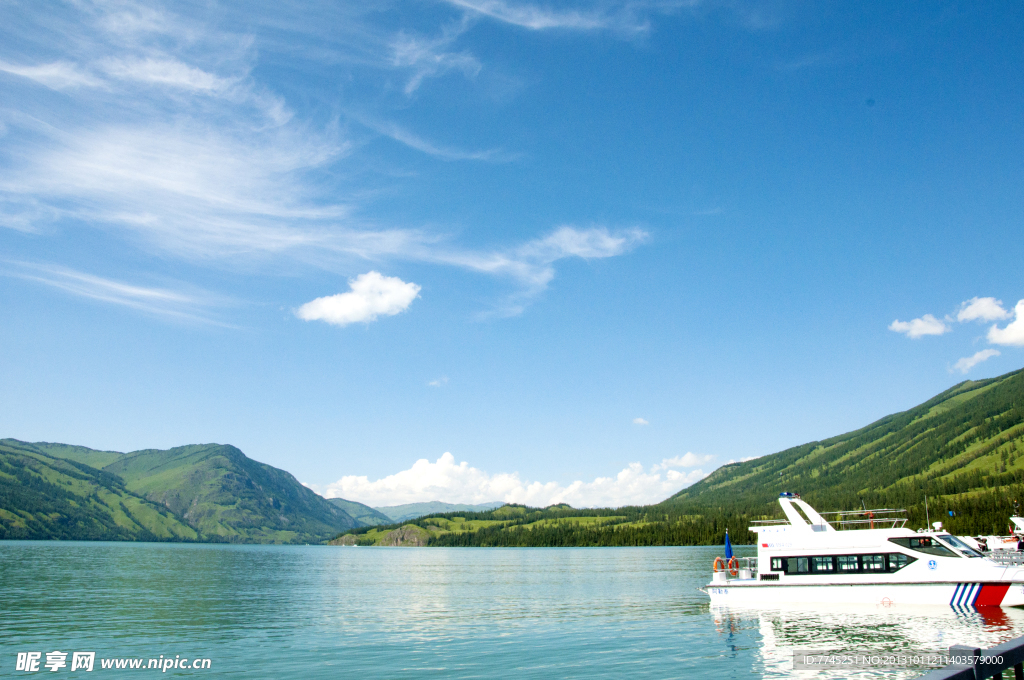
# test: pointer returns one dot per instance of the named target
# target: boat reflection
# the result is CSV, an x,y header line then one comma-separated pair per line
x,y
864,629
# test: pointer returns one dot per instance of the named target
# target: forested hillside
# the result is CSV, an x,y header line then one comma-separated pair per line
x,y
962,448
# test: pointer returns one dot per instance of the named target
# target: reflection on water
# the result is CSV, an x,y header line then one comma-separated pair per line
x,y
314,611
869,629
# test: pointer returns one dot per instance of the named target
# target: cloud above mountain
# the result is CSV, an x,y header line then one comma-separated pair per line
x,y
458,482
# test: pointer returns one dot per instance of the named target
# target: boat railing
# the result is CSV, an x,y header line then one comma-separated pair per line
x,y
882,518
1008,558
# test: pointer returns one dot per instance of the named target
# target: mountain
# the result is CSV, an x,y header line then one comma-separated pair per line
x,y
363,514
401,513
963,448
208,492
43,496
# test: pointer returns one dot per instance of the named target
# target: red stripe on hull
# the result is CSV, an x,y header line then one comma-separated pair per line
x,y
991,594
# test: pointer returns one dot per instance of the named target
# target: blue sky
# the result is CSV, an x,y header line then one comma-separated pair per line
x,y
551,251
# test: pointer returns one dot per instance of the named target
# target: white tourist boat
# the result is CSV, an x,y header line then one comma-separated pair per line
x,y
865,557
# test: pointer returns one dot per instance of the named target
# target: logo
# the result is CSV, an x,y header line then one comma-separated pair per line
x,y
932,564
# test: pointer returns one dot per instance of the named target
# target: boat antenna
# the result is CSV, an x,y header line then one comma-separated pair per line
x,y
927,519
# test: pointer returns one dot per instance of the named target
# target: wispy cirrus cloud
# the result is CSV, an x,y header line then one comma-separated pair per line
x,y
175,146
538,18
191,306
455,482
413,141
432,57
57,75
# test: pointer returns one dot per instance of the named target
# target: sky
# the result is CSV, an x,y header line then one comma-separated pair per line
x,y
479,250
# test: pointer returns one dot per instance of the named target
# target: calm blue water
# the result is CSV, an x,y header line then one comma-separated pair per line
x,y
329,612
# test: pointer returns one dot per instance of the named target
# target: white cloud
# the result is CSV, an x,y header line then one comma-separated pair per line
x,y
1013,334
687,460
967,363
372,295
982,309
440,382
916,328
452,482
640,421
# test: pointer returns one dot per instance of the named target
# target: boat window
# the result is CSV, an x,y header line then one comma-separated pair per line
x,y
797,565
847,564
924,544
967,550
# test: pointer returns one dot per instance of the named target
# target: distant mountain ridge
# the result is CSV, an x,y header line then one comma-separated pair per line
x,y
207,492
401,513
362,513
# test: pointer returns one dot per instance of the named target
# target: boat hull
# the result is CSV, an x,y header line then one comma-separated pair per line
x,y
742,592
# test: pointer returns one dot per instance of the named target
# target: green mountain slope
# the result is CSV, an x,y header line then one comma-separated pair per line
x,y
91,457
963,448
363,514
226,495
204,492
45,497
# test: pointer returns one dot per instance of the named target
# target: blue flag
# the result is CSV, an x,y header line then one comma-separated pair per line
x,y
728,546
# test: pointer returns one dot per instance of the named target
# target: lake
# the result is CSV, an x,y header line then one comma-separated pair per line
x,y
368,613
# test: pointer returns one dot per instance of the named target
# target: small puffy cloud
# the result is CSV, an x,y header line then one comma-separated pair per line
x,y
982,309
452,482
440,382
1013,334
640,421
372,295
967,363
687,460
917,328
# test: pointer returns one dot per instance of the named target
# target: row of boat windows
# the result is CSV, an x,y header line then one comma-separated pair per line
x,y
843,564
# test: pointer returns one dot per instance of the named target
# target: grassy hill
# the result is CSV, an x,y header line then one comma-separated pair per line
x,y
208,492
964,449
42,496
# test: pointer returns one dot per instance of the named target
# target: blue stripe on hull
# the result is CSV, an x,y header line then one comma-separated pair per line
x,y
965,595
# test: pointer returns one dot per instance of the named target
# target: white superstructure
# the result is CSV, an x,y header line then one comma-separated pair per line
x,y
869,559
